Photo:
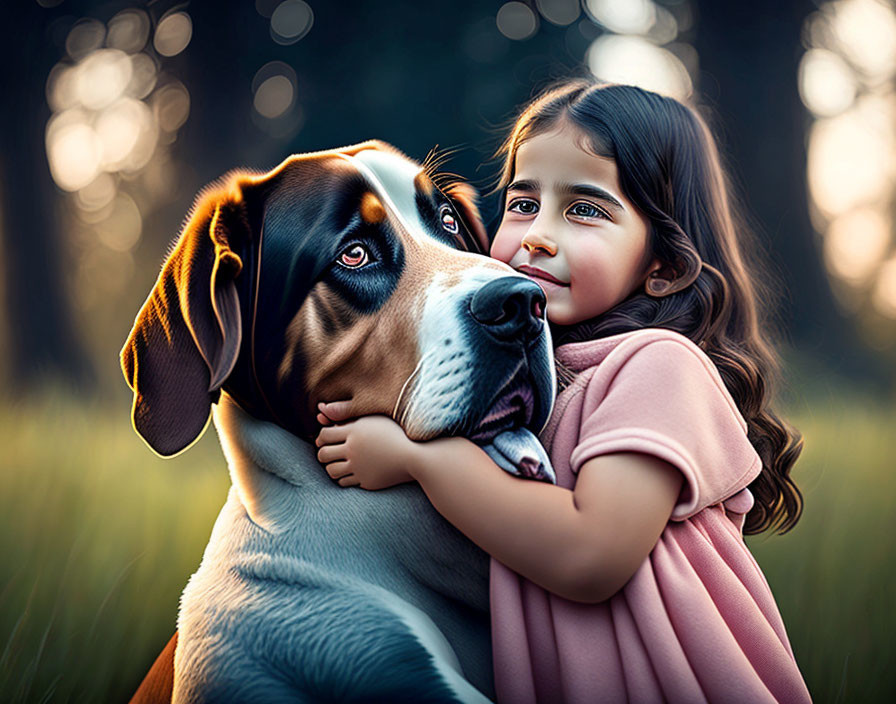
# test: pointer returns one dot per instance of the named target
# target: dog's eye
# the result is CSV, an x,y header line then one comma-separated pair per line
x,y
354,257
449,220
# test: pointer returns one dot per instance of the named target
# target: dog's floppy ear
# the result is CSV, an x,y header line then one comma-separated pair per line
x,y
465,198
186,338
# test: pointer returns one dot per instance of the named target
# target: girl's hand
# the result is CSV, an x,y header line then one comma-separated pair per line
x,y
371,452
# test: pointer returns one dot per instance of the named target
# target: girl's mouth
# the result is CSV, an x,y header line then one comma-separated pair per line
x,y
540,274
535,272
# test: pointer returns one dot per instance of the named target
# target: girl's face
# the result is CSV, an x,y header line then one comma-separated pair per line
x,y
569,228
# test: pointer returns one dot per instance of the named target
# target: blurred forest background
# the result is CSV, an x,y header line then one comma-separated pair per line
x,y
116,113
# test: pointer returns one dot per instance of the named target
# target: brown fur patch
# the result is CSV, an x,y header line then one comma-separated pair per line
x,y
372,210
423,184
368,358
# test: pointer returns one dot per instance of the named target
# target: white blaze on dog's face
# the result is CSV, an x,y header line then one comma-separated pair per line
x,y
391,322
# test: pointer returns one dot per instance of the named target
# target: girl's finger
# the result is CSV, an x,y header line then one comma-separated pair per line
x,y
323,420
337,470
332,435
331,453
349,480
337,411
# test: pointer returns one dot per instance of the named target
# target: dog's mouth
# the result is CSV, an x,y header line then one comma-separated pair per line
x,y
512,408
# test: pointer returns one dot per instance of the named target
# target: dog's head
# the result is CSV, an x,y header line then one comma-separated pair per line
x,y
340,274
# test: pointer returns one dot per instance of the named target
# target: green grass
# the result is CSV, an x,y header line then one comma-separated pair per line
x,y
99,537
833,574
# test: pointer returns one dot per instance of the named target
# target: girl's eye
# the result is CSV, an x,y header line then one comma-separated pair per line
x,y
587,210
449,220
354,257
524,206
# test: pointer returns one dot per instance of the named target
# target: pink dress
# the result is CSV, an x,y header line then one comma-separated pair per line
x,y
697,622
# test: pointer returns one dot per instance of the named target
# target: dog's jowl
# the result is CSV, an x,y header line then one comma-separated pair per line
x,y
352,273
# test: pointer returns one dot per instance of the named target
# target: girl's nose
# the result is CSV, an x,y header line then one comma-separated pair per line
x,y
539,243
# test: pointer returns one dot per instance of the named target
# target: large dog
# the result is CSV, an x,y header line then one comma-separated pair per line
x,y
349,273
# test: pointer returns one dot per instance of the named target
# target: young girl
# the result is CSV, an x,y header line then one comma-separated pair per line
x,y
629,580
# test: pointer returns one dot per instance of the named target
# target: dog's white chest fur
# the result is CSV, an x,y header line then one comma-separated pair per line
x,y
296,565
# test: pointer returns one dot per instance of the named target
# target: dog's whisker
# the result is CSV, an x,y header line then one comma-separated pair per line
x,y
436,159
438,163
427,162
445,180
404,388
448,151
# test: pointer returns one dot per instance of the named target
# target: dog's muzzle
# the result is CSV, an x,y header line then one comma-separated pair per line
x,y
511,311
513,408
510,308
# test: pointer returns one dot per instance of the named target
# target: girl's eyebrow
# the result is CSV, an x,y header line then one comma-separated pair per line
x,y
579,189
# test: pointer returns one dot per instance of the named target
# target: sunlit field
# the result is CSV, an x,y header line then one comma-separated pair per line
x,y
99,537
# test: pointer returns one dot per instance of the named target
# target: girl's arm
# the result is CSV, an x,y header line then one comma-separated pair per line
x,y
583,545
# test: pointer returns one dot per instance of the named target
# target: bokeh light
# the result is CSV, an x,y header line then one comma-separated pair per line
x,y
171,105
114,113
559,12
664,28
61,89
274,97
74,150
87,35
855,243
97,194
102,78
826,82
173,34
274,89
120,230
128,31
516,20
144,74
845,80
639,47
266,8
866,31
275,108
850,161
290,21
119,127
623,16
634,60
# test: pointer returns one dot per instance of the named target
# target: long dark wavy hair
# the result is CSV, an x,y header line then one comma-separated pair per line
x,y
670,169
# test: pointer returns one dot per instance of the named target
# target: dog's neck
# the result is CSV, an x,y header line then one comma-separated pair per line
x,y
388,535
245,390
261,455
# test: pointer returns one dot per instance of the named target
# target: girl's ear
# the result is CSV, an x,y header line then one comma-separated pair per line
x,y
664,279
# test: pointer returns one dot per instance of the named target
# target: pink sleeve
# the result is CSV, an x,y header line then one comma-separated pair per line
x,y
666,399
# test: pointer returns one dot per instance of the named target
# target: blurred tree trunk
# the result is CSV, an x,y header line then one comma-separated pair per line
x,y
42,344
749,55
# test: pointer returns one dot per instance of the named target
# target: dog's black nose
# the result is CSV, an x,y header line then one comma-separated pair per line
x,y
511,308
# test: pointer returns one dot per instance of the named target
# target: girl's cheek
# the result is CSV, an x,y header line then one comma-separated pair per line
x,y
505,244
